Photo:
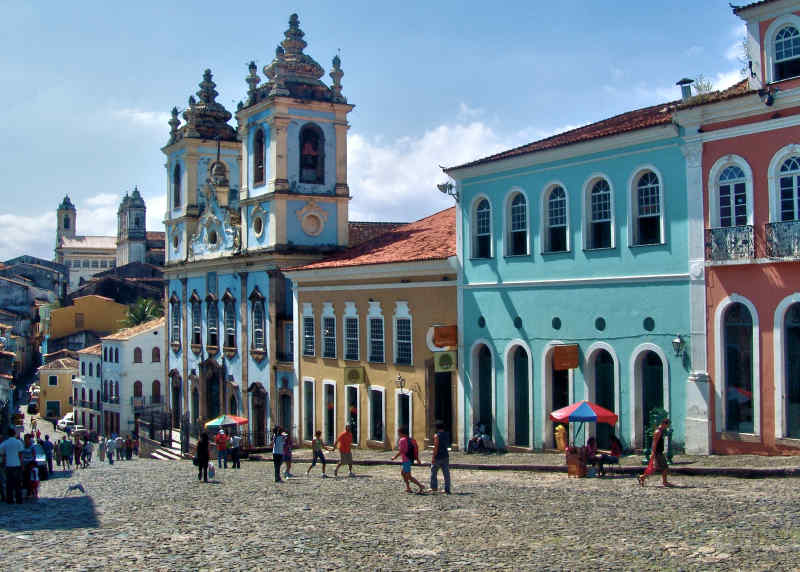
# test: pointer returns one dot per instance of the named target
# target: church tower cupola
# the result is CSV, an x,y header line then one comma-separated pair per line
x,y
67,217
205,118
131,231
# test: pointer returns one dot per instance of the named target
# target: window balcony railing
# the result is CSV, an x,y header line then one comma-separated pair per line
x,y
113,399
142,402
729,243
89,404
783,239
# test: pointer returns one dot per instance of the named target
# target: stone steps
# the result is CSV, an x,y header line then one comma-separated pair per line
x,y
166,454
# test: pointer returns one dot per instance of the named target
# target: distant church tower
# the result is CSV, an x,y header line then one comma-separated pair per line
x,y
67,217
131,235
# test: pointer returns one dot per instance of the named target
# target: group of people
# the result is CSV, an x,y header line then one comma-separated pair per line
x,y
123,448
20,471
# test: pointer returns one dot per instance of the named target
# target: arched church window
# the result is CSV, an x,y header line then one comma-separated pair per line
x,y
176,186
312,155
258,157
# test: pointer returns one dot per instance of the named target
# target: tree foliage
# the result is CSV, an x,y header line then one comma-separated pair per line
x,y
141,311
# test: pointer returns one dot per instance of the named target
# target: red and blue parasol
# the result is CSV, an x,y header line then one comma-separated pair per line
x,y
584,411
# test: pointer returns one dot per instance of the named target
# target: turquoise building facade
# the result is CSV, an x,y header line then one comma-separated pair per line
x,y
577,242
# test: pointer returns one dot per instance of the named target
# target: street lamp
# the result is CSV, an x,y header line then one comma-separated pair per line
x,y
400,382
449,189
677,345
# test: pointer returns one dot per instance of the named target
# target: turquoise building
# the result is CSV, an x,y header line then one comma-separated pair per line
x,y
242,204
574,280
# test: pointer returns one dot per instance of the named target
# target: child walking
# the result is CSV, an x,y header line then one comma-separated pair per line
x,y
408,449
317,448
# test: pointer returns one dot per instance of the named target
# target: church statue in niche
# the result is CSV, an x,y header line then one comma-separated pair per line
x,y
311,155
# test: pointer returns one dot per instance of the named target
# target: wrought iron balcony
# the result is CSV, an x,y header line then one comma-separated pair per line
x,y
783,239
729,243
142,402
89,404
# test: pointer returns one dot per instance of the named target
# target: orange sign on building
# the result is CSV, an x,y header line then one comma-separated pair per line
x,y
565,357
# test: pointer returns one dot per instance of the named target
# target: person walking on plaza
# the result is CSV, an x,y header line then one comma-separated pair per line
x,y
128,448
111,447
28,458
408,449
658,462
221,441
135,442
344,441
441,458
278,443
47,445
287,455
202,457
66,453
234,445
101,449
11,449
57,455
88,449
77,451
316,449
120,447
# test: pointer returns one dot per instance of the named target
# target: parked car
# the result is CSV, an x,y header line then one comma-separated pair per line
x,y
66,421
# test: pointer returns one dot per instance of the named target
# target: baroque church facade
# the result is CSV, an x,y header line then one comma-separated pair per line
x,y
245,203
87,255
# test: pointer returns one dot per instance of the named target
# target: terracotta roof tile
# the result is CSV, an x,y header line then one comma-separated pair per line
x,y
61,363
363,231
736,90
94,350
737,9
430,238
128,333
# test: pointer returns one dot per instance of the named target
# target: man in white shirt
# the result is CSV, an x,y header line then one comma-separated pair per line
x,y
12,449
234,445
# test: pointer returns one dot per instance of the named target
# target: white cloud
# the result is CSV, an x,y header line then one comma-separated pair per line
x,y
142,118
724,80
467,113
396,180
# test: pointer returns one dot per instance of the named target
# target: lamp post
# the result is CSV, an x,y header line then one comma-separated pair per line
x,y
400,382
677,345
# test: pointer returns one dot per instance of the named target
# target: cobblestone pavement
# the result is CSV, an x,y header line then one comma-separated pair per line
x,y
155,515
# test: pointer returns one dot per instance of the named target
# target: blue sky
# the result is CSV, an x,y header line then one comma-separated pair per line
x,y
87,88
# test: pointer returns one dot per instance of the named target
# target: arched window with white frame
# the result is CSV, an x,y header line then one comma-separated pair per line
x,y
647,209
258,157
482,230
732,197
556,220
517,225
787,53
599,225
789,189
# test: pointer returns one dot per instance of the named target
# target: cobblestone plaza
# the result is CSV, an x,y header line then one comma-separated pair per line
x,y
155,515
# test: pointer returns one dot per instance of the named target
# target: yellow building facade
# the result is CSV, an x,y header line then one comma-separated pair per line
x,y
94,313
364,332
55,384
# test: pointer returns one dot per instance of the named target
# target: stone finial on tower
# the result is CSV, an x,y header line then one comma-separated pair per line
x,y
252,80
191,118
279,68
207,92
336,75
174,123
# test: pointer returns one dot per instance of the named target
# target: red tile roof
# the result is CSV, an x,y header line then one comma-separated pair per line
x,y
737,9
631,121
95,350
363,231
61,363
128,333
430,238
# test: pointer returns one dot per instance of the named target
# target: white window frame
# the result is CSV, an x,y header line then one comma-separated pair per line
x,y
545,218
308,314
587,212
313,408
720,365
288,332
509,221
375,313
382,391
769,43
175,326
325,383
229,311
402,312
350,313
633,205
215,326
773,178
197,325
713,186
779,365
327,314
358,411
254,305
410,393
474,228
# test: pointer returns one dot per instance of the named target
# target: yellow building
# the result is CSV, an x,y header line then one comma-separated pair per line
x,y
92,313
55,383
364,329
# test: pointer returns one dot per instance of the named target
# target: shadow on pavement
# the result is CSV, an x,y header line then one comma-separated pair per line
x,y
50,514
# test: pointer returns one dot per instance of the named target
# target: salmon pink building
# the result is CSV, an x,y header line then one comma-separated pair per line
x,y
743,153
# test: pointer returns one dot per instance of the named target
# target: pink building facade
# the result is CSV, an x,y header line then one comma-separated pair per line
x,y
746,149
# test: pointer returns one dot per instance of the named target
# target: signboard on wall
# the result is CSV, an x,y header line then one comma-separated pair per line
x,y
444,361
444,336
565,357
